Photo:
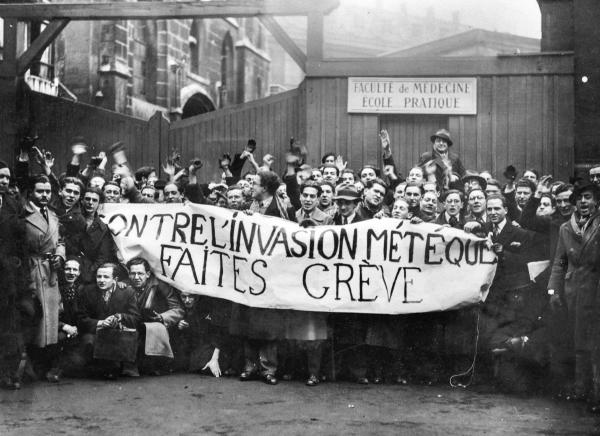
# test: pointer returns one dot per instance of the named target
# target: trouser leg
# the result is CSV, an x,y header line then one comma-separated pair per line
x,y
314,353
267,356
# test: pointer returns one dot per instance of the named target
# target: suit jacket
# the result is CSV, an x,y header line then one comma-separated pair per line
x,y
273,210
92,308
366,214
441,219
337,219
318,216
164,301
512,269
457,166
96,246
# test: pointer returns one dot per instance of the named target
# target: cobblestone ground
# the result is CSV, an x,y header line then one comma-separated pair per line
x,y
192,404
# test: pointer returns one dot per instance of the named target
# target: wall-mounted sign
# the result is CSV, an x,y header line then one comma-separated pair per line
x,y
420,95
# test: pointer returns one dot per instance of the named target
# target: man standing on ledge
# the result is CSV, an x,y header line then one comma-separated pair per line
x,y
440,162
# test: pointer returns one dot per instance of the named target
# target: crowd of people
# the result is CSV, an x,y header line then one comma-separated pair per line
x,y
71,304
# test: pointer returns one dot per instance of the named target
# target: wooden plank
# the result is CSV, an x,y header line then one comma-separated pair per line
x,y
442,66
284,40
564,130
314,36
533,131
517,124
163,10
40,44
8,65
484,123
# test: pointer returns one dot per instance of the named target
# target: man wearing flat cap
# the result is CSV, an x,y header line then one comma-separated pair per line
x,y
440,162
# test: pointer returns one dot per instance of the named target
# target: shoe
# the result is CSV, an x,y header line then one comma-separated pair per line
x,y
130,370
270,379
53,376
313,380
362,381
401,380
378,381
248,375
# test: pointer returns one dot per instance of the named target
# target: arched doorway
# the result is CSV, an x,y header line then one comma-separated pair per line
x,y
197,104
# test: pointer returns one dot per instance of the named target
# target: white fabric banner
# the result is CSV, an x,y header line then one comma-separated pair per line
x,y
382,266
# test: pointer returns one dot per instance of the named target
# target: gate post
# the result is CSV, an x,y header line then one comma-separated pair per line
x,y
158,138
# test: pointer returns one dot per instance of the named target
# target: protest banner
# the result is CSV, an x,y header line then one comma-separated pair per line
x,y
384,266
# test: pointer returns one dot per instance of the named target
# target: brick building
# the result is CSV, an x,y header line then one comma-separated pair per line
x,y
182,67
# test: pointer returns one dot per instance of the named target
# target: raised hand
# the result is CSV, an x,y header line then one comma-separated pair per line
x,y
340,164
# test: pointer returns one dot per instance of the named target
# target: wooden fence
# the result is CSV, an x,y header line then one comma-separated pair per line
x,y
525,117
270,121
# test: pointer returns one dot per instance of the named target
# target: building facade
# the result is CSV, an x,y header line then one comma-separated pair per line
x,y
181,67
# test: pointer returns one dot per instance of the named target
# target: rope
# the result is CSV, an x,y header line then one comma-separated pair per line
x,y
471,370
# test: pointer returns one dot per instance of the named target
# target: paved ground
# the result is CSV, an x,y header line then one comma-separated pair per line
x,y
192,404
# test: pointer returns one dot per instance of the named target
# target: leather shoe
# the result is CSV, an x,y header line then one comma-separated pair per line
x,y
362,381
313,380
378,381
401,380
53,376
270,379
247,375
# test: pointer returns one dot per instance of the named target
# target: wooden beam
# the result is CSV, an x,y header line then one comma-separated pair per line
x,y
163,10
314,35
8,65
40,44
556,64
284,40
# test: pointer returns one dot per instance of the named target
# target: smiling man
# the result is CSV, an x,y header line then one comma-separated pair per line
x,y
372,205
309,199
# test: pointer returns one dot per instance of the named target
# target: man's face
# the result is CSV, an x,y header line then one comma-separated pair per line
x,y
317,176
188,299
430,187
415,175
453,204
440,145
374,195
472,184
246,187
172,194
492,189
348,178
250,178
148,194
104,278
399,191
326,196
235,199
346,207
367,174
429,203
329,160
152,178
97,182
91,201
70,195
413,196
595,176
477,202
71,271
586,204
257,189
522,195
496,211
309,199
330,175
4,179
112,194
545,208
41,194
138,276
531,176
564,206
400,209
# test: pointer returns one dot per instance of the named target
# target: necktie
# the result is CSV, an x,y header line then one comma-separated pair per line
x,y
106,295
345,220
453,221
44,213
496,230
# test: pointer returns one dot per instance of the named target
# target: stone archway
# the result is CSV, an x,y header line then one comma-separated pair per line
x,y
196,102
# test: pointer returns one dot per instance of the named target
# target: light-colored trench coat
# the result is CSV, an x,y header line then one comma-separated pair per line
x,y
41,238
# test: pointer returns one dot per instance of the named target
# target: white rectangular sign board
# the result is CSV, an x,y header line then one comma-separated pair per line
x,y
422,95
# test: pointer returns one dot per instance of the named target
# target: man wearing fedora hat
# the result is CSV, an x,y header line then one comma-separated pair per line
x,y
346,198
448,166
